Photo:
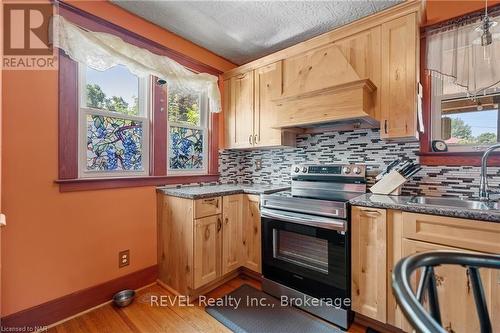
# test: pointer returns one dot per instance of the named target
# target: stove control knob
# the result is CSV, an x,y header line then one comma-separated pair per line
x,y
357,170
346,170
304,169
297,169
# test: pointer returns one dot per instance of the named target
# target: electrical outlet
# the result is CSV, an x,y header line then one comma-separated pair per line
x,y
258,164
123,258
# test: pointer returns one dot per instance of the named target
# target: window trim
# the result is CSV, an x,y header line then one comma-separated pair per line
x,y
143,92
426,155
204,126
68,116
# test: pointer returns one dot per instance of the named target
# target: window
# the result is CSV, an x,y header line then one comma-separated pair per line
x,y
464,123
187,132
113,123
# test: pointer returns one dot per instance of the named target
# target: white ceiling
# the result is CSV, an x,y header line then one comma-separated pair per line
x,y
242,31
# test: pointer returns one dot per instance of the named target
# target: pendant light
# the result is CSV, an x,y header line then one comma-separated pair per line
x,y
485,26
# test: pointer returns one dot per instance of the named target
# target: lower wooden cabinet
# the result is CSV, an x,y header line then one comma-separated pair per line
x,y
458,310
251,241
232,229
196,252
380,238
368,262
207,248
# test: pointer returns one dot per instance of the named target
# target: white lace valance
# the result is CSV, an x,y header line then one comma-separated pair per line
x,y
455,53
102,51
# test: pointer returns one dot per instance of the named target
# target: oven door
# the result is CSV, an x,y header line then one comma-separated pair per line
x,y
307,253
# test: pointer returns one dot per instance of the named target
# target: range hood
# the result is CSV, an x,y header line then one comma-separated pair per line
x,y
341,97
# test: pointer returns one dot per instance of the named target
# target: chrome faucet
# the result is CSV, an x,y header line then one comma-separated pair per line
x,y
484,194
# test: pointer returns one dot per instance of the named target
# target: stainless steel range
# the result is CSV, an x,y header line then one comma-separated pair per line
x,y
306,240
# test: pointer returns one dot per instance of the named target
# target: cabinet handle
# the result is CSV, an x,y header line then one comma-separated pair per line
x,y
255,139
385,126
250,138
371,212
219,224
214,202
207,233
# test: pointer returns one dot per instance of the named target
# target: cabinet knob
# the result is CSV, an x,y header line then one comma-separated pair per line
x,y
226,220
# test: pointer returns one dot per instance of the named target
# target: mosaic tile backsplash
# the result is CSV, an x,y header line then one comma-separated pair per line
x,y
360,146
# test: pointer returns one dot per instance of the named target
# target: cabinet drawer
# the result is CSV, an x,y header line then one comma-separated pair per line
x,y
462,233
207,206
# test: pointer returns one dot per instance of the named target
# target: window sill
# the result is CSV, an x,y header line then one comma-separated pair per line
x,y
472,158
87,184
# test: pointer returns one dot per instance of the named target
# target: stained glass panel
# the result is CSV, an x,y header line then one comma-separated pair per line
x,y
113,144
185,148
183,107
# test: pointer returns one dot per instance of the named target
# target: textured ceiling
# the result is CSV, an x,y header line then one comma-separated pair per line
x,y
242,31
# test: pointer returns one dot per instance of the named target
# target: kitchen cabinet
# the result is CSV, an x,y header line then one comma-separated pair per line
x,y
268,86
400,63
360,75
380,238
207,247
239,111
455,295
249,113
368,262
232,231
203,243
251,236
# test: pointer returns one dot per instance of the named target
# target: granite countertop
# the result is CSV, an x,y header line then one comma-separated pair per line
x,y
207,191
402,203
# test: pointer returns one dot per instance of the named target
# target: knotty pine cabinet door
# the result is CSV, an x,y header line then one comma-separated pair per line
x,y
207,250
251,235
369,262
268,86
456,299
239,110
232,218
400,62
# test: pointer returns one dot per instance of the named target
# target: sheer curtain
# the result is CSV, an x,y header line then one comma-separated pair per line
x,y
454,53
102,51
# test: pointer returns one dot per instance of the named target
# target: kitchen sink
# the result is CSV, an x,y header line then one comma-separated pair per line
x,y
457,203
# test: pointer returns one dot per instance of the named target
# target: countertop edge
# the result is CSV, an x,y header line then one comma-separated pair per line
x,y
440,211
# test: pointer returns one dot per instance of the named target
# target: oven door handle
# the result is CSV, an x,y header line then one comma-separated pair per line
x,y
313,221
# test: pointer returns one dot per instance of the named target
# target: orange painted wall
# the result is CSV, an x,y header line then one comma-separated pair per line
x,y
441,10
58,243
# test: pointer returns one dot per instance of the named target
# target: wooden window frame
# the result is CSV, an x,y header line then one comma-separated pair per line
x,y
426,155
68,176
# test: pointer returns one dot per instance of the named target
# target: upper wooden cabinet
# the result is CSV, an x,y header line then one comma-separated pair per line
x,y
239,114
249,114
365,73
399,78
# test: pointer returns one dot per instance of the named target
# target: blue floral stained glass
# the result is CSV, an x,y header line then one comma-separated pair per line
x,y
113,144
186,148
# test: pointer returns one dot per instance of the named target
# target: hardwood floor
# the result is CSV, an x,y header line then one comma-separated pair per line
x,y
141,317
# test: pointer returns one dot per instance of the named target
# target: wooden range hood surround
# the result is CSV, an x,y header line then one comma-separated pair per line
x,y
321,87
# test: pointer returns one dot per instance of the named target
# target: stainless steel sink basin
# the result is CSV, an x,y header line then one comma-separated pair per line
x,y
457,203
